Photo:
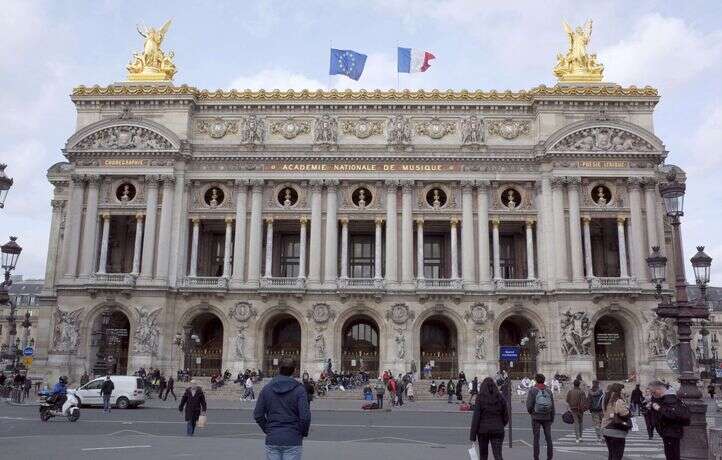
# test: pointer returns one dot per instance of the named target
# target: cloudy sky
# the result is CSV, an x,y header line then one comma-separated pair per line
x,y
47,48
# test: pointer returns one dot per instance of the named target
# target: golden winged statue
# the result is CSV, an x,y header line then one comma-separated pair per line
x,y
152,64
578,66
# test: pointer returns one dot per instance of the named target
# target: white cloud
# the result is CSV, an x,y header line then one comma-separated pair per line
x,y
276,79
661,51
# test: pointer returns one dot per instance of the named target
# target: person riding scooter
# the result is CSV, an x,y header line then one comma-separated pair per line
x,y
59,394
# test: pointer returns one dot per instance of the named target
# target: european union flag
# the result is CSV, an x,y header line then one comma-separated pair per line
x,y
347,62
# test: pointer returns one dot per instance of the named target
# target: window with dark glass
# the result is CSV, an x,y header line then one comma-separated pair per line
x,y
361,335
507,257
361,260
434,266
290,255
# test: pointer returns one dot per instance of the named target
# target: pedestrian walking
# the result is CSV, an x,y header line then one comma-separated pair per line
x,y
577,402
169,389
450,390
249,388
308,386
669,416
635,400
380,388
283,414
410,391
391,390
595,402
161,386
474,387
710,390
616,422
490,417
646,411
540,405
459,390
106,391
194,403
400,387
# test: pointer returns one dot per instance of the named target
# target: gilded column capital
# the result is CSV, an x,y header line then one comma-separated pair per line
x,y
621,219
530,222
343,220
139,216
105,216
228,220
303,220
268,220
586,219
379,220
454,221
419,221
196,220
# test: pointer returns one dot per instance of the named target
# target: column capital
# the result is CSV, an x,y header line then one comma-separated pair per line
x,y
621,219
391,184
407,185
634,183
151,180
77,179
195,220
168,180
379,220
57,204
483,185
93,180
331,183
530,222
650,183
240,183
268,220
467,185
454,221
228,220
303,220
586,219
419,221
343,220
558,182
105,216
573,181
139,216
495,222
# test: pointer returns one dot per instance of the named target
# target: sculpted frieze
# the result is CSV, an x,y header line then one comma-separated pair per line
x,y
127,138
290,128
325,130
435,128
216,128
253,131
472,131
147,333
362,128
66,332
398,131
509,128
603,139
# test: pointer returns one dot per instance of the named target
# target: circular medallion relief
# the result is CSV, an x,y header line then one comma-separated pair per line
x,y
399,313
217,128
287,197
601,195
361,197
511,198
214,197
436,198
242,312
321,313
125,192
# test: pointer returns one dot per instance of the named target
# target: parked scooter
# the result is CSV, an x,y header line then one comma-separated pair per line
x,y
51,407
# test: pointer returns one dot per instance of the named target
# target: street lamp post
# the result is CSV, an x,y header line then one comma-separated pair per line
x,y
5,184
694,444
10,254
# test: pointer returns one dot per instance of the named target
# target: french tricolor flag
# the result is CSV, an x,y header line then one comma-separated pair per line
x,y
414,60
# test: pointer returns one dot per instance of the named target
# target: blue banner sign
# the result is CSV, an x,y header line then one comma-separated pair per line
x,y
509,353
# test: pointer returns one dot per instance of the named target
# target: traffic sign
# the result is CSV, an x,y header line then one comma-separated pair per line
x,y
27,360
28,351
509,353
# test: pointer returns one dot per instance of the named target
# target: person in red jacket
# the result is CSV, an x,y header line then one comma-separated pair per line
x,y
391,387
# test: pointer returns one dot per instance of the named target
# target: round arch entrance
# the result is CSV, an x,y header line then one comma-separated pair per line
x,y
439,347
610,349
360,346
282,339
204,334
109,343
519,332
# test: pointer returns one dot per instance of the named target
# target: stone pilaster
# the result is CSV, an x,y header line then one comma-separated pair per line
x,y
166,217
90,227
331,247
151,212
482,198
72,226
468,271
559,230
391,232
637,248
407,235
239,240
255,233
315,246
575,229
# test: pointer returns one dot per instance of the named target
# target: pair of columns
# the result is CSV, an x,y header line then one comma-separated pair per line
x,y
302,248
228,244
104,241
621,238
420,249
496,247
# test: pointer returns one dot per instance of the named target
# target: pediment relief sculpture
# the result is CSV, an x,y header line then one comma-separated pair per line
x,y
435,128
290,128
216,128
399,131
362,128
253,131
472,131
603,139
124,138
326,130
508,128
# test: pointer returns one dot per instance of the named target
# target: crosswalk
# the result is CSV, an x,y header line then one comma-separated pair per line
x,y
638,445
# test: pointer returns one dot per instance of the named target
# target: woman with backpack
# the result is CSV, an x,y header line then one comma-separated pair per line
x,y
616,421
596,408
490,417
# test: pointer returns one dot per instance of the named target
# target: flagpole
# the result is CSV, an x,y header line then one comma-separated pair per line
x,y
330,47
398,84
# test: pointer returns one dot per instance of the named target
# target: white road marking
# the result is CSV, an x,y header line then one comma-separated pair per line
x,y
114,448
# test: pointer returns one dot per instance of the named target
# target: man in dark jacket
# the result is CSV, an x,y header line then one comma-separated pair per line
x,y
540,405
669,415
283,414
106,390
194,404
635,400
169,389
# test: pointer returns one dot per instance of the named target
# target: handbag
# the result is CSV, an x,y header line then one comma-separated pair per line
x,y
621,423
568,417
473,454
202,421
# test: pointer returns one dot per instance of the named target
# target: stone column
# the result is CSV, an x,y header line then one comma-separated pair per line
x,y
104,243
178,248
344,248
314,259
90,228
378,242
623,272
227,248
407,234
575,229
166,218
482,198
52,264
302,249
497,250
391,233
138,243
255,233
650,207
71,239
530,249
194,247
239,240
636,244
559,232
269,248
331,249
546,231
586,220
420,249
454,249
468,271
151,210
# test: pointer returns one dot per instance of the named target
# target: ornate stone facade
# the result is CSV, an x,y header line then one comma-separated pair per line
x,y
380,230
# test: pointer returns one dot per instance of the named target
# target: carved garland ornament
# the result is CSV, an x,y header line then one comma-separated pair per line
x,y
435,128
509,128
290,128
603,139
217,127
362,128
124,138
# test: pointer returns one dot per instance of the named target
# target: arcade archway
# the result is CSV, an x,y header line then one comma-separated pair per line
x,y
109,343
282,339
519,332
610,349
204,356
439,347
360,345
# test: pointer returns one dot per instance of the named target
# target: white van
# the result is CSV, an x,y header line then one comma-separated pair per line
x,y
128,392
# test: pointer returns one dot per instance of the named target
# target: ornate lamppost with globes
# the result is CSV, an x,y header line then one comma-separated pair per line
x,y
5,184
10,254
694,444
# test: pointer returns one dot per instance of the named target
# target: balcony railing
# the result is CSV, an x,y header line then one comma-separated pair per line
x,y
360,283
283,283
515,283
439,283
113,279
205,282
611,282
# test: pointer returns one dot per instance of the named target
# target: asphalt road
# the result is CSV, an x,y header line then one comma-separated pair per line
x,y
158,433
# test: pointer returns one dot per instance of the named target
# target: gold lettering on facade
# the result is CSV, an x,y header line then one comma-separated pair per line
x,y
361,167
124,162
603,164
